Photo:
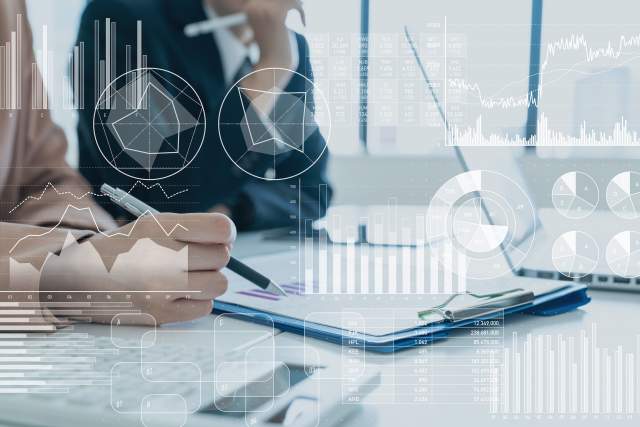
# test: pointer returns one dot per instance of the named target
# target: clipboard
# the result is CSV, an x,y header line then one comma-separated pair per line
x,y
566,298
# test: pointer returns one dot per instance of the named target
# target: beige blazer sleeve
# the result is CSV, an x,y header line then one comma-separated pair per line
x,y
41,195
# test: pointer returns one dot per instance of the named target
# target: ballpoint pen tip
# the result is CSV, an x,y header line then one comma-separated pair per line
x,y
274,288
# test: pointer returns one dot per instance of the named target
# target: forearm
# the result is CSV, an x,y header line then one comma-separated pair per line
x,y
24,251
48,184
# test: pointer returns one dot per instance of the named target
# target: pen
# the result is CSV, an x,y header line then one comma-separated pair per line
x,y
138,208
211,25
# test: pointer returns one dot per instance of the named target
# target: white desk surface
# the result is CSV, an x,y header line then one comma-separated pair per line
x,y
613,313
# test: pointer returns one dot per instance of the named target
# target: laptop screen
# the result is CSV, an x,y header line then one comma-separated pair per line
x,y
508,215
504,161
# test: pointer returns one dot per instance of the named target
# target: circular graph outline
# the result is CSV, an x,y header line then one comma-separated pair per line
x,y
609,262
612,208
586,213
489,195
326,139
204,122
572,274
505,245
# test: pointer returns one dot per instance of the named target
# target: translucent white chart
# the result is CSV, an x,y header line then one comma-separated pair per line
x,y
623,195
473,231
575,195
575,254
275,125
482,215
623,254
149,124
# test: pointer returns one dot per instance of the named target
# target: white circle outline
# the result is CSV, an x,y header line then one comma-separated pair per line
x,y
433,244
316,90
587,213
204,113
635,215
609,261
573,274
494,197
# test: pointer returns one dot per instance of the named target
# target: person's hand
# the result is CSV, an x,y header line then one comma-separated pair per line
x,y
222,209
266,27
166,265
267,20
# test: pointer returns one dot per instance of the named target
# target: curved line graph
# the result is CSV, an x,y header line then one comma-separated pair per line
x,y
50,185
120,234
574,42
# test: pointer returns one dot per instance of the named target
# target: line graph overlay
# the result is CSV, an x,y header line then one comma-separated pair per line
x,y
51,186
571,43
167,232
598,67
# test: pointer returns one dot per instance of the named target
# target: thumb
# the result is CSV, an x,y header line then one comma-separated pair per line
x,y
297,5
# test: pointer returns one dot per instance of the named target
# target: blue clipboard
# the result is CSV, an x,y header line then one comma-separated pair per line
x,y
561,301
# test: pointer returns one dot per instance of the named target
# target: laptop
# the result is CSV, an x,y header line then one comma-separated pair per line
x,y
539,234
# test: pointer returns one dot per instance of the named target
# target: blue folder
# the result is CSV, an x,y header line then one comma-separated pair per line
x,y
561,301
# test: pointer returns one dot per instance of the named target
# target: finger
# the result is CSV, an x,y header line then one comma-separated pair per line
x,y
247,36
297,5
300,10
185,310
208,257
206,285
192,228
137,319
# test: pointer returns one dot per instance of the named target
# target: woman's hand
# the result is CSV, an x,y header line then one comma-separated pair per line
x,y
168,265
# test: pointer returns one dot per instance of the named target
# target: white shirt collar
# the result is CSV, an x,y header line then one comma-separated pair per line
x,y
233,52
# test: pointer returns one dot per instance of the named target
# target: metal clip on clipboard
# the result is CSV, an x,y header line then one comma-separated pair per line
x,y
487,304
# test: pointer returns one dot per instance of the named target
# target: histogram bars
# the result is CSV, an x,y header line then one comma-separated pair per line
x,y
620,136
45,94
351,267
11,69
105,66
43,88
558,375
37,363
35,360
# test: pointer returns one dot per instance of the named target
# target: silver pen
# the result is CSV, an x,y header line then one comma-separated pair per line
x,y
138,208
211,25
219,22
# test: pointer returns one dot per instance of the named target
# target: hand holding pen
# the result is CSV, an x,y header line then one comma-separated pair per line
x,y
144,265
140,209
262,22
230,18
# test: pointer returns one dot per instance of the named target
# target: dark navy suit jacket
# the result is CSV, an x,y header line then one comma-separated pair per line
x,y
211,178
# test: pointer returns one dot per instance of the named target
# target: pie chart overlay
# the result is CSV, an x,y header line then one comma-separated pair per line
x,y
575,195
472,230
575,254
623,195
623,254
486,217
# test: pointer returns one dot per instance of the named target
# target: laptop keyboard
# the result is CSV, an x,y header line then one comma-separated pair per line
x,y
121,378
602,281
